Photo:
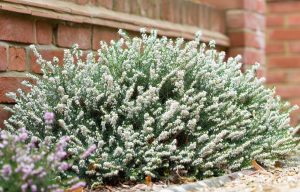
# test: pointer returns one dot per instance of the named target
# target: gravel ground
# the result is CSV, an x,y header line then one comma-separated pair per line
x,y
274,180
277,180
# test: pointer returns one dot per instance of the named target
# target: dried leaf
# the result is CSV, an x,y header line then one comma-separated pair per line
x,y
187,179
148,180
278,164
79,189
91,167
256,166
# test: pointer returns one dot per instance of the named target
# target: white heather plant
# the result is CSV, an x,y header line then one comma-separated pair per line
x,y
154,106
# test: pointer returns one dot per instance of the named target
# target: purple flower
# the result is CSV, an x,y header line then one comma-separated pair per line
x,y
22,136
64,166
33,188
89,151
60,154
49,117
24,187
6,170
77,185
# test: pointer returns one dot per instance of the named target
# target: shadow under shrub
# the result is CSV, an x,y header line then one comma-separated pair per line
x,y
158,107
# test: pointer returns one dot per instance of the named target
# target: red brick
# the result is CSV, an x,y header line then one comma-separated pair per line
x,y
295,115
275,48
247,39
232,4
189,10
283,7
294,77
47,55
287,91
4,115
285,34
122,6
260,6
249,4
218,21
253,5
284,62
17,29
106,3
69,35
43,32
275,20
17,59
3,58
171,10
10,84
150,9
293,20
245,19
260,72
249,56
276,77
294,47
103,34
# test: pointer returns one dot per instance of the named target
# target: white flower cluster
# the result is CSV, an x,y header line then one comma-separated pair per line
x,y
154,106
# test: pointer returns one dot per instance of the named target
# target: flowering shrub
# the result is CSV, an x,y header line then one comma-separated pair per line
x,y
27,165
154,106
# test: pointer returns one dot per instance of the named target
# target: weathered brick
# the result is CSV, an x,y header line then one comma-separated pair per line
x,y
247,39
254,5
47,55
69,35
218,21
284,62
245,19
275,20
260,6
272,48
43,32
293,20
276,77
122,6
4,115
106,3
189,10
171,10
294,47
17,59
10,25
10,84
295,116
283,6
249,56
293,77
150,9
285,34
288,91
103,34
3,58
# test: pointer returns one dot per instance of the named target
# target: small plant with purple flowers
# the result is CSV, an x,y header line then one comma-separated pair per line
x,y
28,164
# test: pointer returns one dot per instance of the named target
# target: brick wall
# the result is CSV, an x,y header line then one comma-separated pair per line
x,y
283,50
245,22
